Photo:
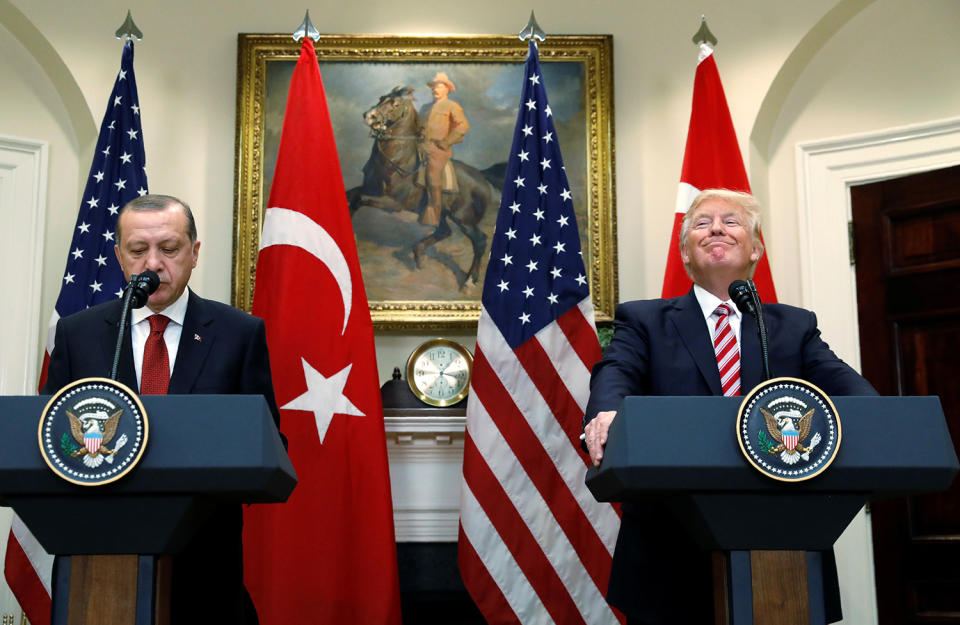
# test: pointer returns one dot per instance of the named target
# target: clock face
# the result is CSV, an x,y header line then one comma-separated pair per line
x,y
438,372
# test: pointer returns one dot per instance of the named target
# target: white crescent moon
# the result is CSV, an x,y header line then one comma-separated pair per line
x,y
282,226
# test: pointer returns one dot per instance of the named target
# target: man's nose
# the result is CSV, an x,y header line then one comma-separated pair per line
x,y
152,261
716,225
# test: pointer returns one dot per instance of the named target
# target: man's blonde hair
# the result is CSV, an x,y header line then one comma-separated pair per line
x,y
749,204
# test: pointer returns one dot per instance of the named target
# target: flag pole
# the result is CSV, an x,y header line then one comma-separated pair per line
x,y
703,35
306,29
532,31
128,31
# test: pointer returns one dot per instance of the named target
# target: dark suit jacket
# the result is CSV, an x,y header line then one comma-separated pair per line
x,y
222,351
663,347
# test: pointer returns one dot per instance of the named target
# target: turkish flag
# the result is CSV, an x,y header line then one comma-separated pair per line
x,y
327,555
711,161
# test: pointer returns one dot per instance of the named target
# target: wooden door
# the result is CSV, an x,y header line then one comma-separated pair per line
x,y
907,242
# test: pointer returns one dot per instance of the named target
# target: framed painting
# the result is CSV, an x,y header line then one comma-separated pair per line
x,y
411,285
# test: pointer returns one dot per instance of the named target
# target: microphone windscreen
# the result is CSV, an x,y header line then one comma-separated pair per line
x,y
149,281
740,294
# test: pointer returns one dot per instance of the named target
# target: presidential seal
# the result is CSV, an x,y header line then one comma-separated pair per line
x,y
788,429
93,431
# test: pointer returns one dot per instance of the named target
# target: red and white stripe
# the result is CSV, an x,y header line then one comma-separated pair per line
x,y
27,568
535,547
727,351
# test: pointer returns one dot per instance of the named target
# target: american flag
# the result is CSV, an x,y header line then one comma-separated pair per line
x,y
92,275
534,546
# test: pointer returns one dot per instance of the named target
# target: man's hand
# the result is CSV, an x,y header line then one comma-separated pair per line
x,y
596,434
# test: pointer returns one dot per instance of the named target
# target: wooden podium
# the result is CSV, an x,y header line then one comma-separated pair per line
x,y
684,451
203,450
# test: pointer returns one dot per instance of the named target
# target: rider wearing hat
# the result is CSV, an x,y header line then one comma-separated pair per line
x,y
444,124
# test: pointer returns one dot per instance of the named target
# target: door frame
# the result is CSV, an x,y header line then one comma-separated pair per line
x,y
826,169
23,173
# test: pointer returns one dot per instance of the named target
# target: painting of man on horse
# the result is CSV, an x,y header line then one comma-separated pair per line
x,y
379,129
410,169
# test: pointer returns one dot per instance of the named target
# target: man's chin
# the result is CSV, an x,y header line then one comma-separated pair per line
x,y
159,300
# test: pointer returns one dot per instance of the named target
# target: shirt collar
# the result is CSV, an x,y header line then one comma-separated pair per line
x,y
709,302
176,311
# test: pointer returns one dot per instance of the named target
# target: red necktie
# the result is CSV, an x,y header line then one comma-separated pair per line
x,y
728,354
155,376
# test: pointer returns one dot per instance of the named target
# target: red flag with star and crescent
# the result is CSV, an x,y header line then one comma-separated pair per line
x,y
328,554
711,161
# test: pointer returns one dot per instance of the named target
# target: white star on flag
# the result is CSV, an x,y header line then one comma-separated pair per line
x,y
324,397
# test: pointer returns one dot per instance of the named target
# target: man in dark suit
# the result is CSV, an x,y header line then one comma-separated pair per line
x,y
179,343
665,347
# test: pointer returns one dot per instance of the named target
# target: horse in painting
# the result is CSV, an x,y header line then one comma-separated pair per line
x,y
390,180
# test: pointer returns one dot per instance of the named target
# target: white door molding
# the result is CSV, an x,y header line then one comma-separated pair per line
x,y
23,202
826,169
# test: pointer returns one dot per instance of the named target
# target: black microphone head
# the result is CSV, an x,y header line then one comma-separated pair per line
x,y
141,286
740,294
149,281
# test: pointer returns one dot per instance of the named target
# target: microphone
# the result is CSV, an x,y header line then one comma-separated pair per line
x,y
740,293
142,286
135,295
744,295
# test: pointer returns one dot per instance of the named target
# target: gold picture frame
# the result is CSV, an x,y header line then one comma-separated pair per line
x,y
357,69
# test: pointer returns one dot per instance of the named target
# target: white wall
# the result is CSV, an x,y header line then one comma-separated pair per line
x,y
186,74
792,71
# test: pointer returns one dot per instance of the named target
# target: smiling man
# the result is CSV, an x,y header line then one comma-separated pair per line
x,y
179,343
690,345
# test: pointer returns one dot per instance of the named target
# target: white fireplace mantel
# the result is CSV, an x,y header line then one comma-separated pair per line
x,y
425,450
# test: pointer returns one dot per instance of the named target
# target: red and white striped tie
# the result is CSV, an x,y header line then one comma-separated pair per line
x,y
727,351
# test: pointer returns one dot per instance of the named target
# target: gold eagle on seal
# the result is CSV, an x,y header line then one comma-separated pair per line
x,y
93,434
789,430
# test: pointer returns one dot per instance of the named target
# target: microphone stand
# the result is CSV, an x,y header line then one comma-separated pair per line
x,y
124,313
761,329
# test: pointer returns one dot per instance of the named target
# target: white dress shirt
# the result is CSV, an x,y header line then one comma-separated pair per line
x,y
709,302
140,330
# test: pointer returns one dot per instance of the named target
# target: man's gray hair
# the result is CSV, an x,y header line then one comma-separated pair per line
x,y
157,202
749,204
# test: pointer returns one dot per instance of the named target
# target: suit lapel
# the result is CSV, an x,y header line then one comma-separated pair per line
x,y
751,367
688,319
195,342
126,373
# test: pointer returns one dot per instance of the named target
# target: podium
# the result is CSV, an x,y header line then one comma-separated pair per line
x,y
202,451
684,451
